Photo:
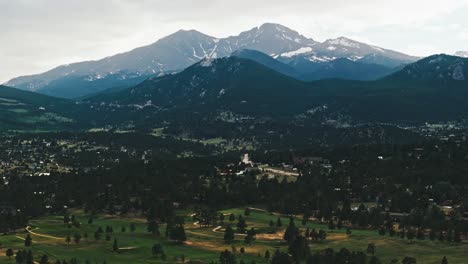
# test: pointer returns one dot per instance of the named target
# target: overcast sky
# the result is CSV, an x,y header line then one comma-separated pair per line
x,y
37,35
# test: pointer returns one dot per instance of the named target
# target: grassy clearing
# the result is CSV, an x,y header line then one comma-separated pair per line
x,y
204,244
19,110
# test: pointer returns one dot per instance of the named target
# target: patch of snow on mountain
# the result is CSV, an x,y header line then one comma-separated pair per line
x,y
343,42
436,60
207,62
315,58
195,54
297,52
286,37
203,49
280,29
221,92
355,58
331,48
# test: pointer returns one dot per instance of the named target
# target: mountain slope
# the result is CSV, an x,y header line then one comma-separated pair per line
x,y
242,91
267,61
347,69
22,110
79,86
308,70
226,83
333,49
184,48
435,69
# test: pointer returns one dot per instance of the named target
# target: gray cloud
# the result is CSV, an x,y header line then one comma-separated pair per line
x,y
36,35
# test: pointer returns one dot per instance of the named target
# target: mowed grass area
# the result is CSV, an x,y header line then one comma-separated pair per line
x,y
205,244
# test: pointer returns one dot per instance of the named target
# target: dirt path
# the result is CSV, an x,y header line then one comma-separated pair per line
x,y
29,230
282,172
127,248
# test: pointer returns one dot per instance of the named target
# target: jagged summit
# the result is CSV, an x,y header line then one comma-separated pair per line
x,y
186,47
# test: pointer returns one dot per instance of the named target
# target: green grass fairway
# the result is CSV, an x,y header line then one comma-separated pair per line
x,y
205,244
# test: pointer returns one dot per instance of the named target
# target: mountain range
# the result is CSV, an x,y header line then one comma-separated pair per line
x,y
184,48
234,89
252,98
304,69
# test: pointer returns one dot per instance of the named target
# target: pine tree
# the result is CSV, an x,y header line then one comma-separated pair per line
x,y
68,239
226,257
20,256
29,257
115,246
9,253
250,236
232,217
66,219
444,260
181,236
77,238
241,225
28,240
278,222
292,232
157,249
299,249
271,224
371,249
44,260
97,235
228,235
281,258
322,235
153,228
247,211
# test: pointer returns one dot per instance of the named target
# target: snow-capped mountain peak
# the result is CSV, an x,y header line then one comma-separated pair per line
x,y
187,47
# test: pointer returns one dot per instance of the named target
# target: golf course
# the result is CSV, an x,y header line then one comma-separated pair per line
x,y
127,240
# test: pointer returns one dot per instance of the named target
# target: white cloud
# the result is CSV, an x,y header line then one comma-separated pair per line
x,y
463,35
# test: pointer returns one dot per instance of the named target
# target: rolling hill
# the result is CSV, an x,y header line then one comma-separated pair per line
x,y
22,110
249,90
